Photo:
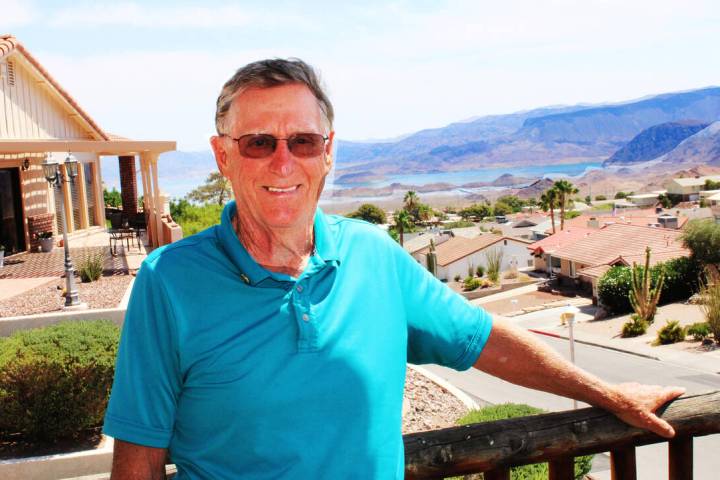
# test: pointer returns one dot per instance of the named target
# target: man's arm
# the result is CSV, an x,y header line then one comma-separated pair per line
x,y
137,462
513,354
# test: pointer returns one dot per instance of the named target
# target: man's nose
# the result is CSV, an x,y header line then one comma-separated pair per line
x,y
282,161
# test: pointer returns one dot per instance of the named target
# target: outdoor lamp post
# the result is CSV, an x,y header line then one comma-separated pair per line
x,y
55,177
568,314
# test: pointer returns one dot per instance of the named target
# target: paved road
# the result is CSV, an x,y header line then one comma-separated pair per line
x,y
615,367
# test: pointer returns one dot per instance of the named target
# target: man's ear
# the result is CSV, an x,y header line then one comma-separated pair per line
x,y
329,150
221,155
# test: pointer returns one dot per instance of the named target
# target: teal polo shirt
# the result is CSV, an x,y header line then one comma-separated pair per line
x,y
243,373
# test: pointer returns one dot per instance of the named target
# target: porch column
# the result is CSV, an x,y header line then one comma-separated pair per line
x,y
149,199
153,157
128,184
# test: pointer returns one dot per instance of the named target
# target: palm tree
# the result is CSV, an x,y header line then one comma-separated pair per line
x,y
402,221
548,199
411,201
565,189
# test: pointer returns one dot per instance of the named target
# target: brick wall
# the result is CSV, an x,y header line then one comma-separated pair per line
x,y
43,222
128,185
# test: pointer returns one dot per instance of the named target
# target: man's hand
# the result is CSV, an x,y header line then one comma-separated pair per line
x,y
636,404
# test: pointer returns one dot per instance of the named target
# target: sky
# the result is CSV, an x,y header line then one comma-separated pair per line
x,y
153,69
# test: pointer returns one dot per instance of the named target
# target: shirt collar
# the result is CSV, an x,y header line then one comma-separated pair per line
x,y
250,271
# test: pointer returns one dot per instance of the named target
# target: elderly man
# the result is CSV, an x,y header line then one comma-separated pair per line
x,y
274,345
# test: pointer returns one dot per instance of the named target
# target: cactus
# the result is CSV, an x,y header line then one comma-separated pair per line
x,y
432,259
643,298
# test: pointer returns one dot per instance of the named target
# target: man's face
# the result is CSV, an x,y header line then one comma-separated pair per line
x,y
281,190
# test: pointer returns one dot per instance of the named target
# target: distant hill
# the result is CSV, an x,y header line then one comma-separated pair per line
x,y
655,141
702,148
550,135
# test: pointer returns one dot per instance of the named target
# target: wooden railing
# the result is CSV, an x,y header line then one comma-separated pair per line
x,y
494,447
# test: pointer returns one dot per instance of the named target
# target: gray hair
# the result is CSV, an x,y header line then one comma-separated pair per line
x,y
271,73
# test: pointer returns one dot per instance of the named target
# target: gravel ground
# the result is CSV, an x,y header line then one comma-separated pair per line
x,y
104,293
427,406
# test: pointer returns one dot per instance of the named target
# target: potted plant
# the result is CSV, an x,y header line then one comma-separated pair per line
x,y
2,254
46,241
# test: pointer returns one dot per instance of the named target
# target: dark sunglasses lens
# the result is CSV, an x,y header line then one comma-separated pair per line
x,y
306,144
257,146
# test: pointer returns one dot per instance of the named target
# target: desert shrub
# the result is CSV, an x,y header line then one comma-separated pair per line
x,y
458,224
671,332
480,270
600,198
471,270
634,327
702,237
55,381
510,275
681,281
471,283
493,259
457,278
538,471
91,267
698,330
711,301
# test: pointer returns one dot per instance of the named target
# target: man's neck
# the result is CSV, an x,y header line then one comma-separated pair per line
x,y
282,250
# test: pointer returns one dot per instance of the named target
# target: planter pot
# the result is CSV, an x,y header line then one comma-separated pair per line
x,y
47,244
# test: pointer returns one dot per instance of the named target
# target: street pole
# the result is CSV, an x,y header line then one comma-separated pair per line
x,y
569,314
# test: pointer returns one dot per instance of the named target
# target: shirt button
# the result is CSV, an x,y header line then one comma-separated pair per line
x,y
306,317
299,288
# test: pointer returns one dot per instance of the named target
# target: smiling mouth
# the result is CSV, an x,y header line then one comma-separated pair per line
x,y
281,190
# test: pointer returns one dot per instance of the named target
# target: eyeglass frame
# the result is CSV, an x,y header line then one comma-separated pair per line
x,y
275,139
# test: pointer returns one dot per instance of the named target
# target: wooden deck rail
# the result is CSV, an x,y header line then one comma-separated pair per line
x,y
557,438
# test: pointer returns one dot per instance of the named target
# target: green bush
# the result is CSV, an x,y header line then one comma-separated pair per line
x,y
91,267
457,278
671,332
634,327
538,471
195,218
480,270
471,283
699,330
600,198
55,381
681,281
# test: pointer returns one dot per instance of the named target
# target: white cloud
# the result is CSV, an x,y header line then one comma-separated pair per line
x,y
16,13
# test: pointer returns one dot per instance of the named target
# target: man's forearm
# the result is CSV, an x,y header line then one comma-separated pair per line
x,y
137,462
513,354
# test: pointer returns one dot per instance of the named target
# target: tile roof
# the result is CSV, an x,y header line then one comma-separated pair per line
x,y
421,241
459,247
594,272
560,238
641,217
616,240
656,257
10,45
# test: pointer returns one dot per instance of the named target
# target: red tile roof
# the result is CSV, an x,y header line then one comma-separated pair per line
x,y
613,241
9,45
560,238
639,217
459,247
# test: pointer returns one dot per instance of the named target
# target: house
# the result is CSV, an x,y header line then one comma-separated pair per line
x,y
40,120
542,250
583,262
421,241
640,217
688,189
643,199
459,255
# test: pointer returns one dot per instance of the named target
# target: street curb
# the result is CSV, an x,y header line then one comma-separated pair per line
x,y
594,344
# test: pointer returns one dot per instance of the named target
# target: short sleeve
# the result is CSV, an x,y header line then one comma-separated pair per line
x,y
443,327
147,375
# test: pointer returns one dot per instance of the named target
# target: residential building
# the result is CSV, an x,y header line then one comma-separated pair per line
x,y
542,250
38,120
583,262
688,189
459,255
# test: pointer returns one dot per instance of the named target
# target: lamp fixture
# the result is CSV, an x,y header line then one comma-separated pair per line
x,y
25,165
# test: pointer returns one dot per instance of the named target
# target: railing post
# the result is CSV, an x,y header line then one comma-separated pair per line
x,y
562,469
497,474
680,455
623,464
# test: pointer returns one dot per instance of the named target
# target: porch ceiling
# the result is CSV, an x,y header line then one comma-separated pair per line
x,y
101,147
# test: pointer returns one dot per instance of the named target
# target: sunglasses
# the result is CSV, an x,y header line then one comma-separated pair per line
x,y
262,145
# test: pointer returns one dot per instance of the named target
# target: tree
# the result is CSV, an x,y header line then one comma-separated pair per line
x,y
370,213
402,222
411,200
565,189
711,185
112,198
665,201
502,208
216,189
548,200
477,211
702,237
643,297
514,202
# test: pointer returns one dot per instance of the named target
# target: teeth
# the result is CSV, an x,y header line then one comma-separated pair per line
x,y
281,190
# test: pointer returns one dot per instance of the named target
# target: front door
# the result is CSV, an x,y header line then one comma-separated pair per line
x,y
12,234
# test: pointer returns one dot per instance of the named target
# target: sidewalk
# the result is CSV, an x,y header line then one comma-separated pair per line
x,y
606,334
